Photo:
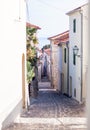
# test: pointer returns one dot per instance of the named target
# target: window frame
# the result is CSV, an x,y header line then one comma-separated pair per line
x,y
65,55
74,25
74,59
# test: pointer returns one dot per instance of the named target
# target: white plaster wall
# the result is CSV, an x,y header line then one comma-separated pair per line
x,y
88,74
75,70
48,67
60,65
60,59
64,68
12,45
85,47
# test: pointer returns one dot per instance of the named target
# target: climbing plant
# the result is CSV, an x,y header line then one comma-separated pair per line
x,y
31,37
30,72
31,54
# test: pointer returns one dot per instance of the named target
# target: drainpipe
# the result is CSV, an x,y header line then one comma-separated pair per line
x,y
51,63
81,53
68,68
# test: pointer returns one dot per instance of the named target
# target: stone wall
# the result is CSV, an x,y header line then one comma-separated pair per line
x,y
55,67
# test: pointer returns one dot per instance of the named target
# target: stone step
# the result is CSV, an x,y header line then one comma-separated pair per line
x,y
26,126
44,84
65,123
55,121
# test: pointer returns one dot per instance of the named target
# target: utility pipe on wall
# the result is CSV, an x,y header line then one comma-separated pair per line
x,y
81,54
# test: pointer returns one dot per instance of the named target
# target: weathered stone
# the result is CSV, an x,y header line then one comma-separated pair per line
x,y
52,111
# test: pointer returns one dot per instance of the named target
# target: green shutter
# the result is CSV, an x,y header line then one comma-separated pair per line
x,y
74,25
74,59
65,55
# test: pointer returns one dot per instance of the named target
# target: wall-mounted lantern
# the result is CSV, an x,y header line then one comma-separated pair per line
x,y
76,50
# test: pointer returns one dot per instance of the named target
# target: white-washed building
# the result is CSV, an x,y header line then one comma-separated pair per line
x,y
44,64
60,62
54,57
63,44
12,59
78,44
48,53
39,53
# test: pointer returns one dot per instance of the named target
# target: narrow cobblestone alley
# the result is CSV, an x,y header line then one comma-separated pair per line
x,y
51,111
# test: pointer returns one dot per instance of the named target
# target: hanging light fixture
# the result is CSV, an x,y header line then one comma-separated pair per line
x,y
76,50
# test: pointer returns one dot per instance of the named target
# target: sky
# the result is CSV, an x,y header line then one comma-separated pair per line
x,y
50,16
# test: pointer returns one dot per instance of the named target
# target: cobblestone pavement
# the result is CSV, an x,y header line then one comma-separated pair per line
x,y
51,111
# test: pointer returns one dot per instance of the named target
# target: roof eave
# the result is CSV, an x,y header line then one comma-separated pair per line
x,y
32,25
73,11
77,9
58,35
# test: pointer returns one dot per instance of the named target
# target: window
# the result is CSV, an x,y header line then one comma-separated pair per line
x,y
74,25
74,59
65,55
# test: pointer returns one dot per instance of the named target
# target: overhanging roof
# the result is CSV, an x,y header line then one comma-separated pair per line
x,y
60,38
76,9
32,25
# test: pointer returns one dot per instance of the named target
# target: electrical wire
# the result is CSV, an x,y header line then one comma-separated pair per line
x,y
49,5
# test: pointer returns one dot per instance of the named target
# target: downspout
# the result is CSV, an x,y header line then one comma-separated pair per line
x,y
81,54
51,63
68,69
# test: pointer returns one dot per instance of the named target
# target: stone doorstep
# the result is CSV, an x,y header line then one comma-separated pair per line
x,y
48,89
63,123
44,85
71,122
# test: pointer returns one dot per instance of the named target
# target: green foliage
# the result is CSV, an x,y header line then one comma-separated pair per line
x,y
31,52
30,31
31,55
31,35
30,72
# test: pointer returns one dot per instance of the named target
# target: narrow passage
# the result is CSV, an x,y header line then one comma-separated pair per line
x,y
51,111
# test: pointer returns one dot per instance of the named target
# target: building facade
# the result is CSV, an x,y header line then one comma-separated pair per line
x,y
55,72
44,64
63,45
69,56
78,38
12,59
48,53
60,61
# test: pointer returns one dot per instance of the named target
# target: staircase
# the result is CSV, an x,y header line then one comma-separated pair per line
x,y
44,84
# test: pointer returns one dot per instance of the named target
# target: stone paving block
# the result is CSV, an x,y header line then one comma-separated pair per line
x,y
51,111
